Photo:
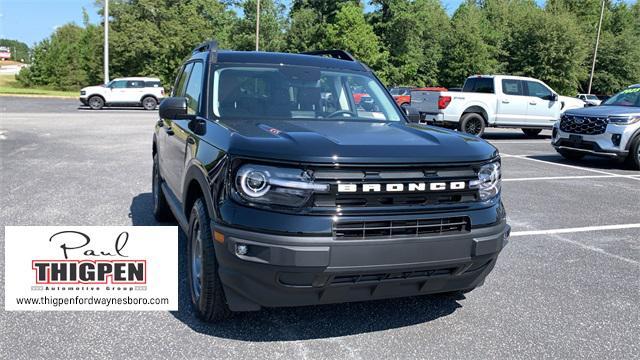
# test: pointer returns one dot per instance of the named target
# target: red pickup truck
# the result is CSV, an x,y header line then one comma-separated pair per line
x,y
402,95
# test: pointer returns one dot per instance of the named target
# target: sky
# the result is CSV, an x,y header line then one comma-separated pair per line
x,y
31,21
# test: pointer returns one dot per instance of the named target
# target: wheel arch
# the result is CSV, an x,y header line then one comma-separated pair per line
x,y
196,186
635,135
98,95
149,95
477,109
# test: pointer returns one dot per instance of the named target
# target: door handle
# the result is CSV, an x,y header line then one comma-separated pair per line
x,y
168,131
191,140
533,103
505,101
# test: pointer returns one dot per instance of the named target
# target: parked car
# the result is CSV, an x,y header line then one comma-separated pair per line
x,y
130,91
291,194
590,99
402,95
497,101
610,130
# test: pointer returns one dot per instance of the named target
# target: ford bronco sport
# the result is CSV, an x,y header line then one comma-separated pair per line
x,y
292,194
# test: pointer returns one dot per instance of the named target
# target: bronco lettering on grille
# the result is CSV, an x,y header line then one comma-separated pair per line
x,y
400,187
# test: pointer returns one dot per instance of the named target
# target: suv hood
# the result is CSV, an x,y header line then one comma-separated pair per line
x,y
96,87
605,111
354,142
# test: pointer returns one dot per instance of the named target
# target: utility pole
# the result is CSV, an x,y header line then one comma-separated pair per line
x,y
257,24
595,52
106,41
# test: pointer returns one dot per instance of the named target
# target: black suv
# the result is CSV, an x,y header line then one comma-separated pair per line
x,y
292,193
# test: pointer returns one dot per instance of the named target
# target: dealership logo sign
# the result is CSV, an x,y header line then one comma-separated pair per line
x,y
91,268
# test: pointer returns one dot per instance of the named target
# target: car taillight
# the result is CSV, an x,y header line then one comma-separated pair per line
x,y
443,102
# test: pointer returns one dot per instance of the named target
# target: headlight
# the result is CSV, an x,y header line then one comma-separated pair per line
x,y
270,185
624,120
489,181
82,92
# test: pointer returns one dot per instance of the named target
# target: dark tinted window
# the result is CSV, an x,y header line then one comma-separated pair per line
x,y
118,84
136,84
181,86
194,88
479,85
538,90
512,87
152,84
628,97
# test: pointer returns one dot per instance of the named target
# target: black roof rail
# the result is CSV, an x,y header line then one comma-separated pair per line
x,y
336,54
211,45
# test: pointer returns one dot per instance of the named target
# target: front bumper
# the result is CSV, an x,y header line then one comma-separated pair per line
x,y
286,270
84,100
602,145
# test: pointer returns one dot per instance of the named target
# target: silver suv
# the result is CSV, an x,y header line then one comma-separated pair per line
x,y
610,130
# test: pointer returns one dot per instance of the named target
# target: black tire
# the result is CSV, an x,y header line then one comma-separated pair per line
x,y
161,210
149,103
472,123
531,132
633,159
96,102
207,294
571,154
404,107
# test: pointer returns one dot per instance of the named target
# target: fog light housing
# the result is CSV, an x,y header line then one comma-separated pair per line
x,y
242,249
615,139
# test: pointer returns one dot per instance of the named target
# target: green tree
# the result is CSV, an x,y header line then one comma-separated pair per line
x,y
19,50
549,47
467,50
326,9
306,30
414,33
350,31
272,25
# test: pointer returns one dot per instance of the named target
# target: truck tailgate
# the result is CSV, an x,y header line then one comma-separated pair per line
x,y
425,101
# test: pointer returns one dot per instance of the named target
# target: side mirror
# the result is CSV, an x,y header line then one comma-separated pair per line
x,y
554,97
173,108
412,114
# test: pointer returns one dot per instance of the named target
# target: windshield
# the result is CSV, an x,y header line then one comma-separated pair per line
x,y
628,97
295,92
591,97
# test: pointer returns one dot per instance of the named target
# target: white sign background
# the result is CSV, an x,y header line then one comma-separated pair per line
x,y
158,245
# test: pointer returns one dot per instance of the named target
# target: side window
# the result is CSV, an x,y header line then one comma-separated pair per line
x,y
538,90
135,84
120,84
484,85
512,87
194,88
152,84
181,85
469,85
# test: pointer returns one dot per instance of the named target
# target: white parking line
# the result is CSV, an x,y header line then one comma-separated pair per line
x,y
518,141
575,230
561,178
571,166
556,233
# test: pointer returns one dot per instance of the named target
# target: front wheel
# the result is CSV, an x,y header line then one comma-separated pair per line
x,y
531,132
571,154
472,123
634,154
207,295
96,102
149,103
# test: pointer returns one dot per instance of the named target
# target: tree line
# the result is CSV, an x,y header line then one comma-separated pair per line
x,y
407,42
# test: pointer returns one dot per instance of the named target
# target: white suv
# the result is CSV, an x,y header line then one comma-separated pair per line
x,y
610,130
131,91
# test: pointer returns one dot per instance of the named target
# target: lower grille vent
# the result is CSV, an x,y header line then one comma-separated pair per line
x,y
399,228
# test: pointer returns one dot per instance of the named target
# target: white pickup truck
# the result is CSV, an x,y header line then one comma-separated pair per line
x,y
494,100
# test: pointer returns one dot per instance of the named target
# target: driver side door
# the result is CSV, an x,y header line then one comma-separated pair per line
x,y
542,109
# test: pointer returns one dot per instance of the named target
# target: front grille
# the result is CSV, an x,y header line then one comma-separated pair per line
x,y
360,230
584,125
382,277
359,177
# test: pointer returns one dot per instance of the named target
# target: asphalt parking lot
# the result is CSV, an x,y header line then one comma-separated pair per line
x,y
566,286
